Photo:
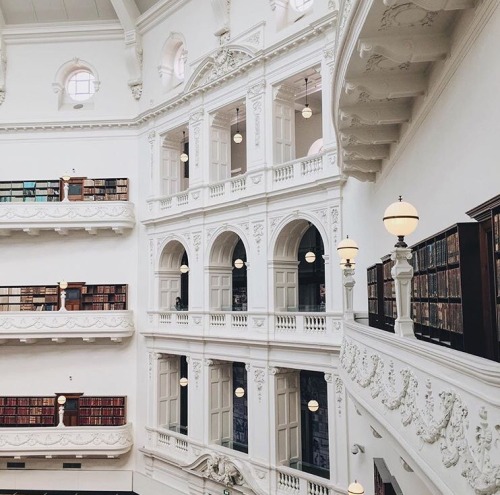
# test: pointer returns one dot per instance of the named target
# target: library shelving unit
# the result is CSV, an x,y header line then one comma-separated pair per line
x,y
104,297
43,411
79,297
375,276
50,190
37,191
389,295
27,411
33,298
488,216
446,300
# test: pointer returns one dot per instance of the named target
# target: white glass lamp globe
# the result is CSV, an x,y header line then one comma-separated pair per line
x,y
63,285
61,400
184,268
347,249
400,219
239,392
184,157
238,263
313,405
310,257
66,177
183,382
307,112
356,489
237,138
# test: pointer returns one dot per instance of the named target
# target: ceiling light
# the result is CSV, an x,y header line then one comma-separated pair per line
x,y
306,111
184,155
237,138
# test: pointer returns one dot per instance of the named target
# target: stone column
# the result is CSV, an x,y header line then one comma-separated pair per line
x,y
349,282
402,273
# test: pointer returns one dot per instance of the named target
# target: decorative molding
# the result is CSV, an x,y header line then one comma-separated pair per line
x,y
196,371
66,324
197,243
406,15
77,215
111,441
258,233
3,69
256,89
339,393
438,419
150,364
259,375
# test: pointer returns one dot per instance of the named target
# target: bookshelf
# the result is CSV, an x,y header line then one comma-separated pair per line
x,y
50,190
105,189
389,295
487,215
34,298
375,277
79,297
27,411
36,191
446,300
102,411
43,411
104,297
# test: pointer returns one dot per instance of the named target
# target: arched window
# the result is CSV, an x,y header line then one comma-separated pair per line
x,y
172,67
76,83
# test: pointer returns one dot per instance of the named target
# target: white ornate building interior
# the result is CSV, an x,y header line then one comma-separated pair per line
x,y
250,370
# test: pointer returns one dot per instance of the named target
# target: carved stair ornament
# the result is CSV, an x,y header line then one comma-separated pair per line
x,y
441,420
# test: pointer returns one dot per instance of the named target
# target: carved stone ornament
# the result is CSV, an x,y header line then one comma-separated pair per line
x,y
259,377
196,371
258,233
442,419
406,15
136,90
225,60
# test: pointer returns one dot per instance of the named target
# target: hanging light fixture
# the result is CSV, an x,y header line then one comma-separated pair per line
x,y
184,155
313,405
400,219
348,250
183,382
237,138
238,263
310,257
239,392
184,268
356,489
306,111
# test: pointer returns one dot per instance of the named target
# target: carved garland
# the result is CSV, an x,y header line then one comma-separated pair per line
x,y
446,423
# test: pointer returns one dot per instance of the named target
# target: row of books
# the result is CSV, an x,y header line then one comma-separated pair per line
x,y
102,421
437,254
389,290
371,274
104,289
102,298
445,316
105,182
41,184
28,199
27,420
101,401
26,401
497,263
443,284
28,290
104,306
496,232
102,411
387,269
25,411
373,306
390,309
372,291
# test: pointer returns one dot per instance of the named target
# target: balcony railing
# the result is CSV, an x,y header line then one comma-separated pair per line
x,y
70,441
58,326
280,177
444,403
64,217
326,328
291,482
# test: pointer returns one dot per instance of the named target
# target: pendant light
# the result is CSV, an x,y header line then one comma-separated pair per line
x,y
306,111
184,155
238,263
310,257
237,138
347,250
184,268
313,405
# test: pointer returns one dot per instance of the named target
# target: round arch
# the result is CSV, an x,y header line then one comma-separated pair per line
x,y
170,254
223,244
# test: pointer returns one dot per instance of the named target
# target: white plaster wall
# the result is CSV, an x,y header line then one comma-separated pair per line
x,y
448,167
32,68
306,132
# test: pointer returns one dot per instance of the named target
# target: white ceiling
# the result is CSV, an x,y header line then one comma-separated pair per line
x,y
62,11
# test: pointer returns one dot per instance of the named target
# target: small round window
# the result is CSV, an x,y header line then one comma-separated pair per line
x,y
301,5
179,61
80,85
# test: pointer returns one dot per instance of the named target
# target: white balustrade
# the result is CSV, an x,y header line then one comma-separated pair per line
x,y
315,324
316,489
283,173
312,166
163,440
299,484
165,203
218,320
182,199
238,184
182,318
286,323
239,321
288,483
217,190
181,445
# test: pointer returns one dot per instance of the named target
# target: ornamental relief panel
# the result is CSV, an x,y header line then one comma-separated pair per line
x,y
467,438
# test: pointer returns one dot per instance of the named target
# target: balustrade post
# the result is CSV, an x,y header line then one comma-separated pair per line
x,y
402,273
349,283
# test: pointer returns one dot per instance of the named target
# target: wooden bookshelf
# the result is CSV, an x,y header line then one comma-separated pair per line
x,y
43,411
27,411
80,189
104,297
375,277
33,298
102,411
37,191
388,295
446,303
79,297
105,189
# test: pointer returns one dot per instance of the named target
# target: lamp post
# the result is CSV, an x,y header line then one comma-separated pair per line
x,y
348,250
65,179
61,400
401,219
63,285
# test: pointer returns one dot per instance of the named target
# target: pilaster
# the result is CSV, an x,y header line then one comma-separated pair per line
x,y
256,125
